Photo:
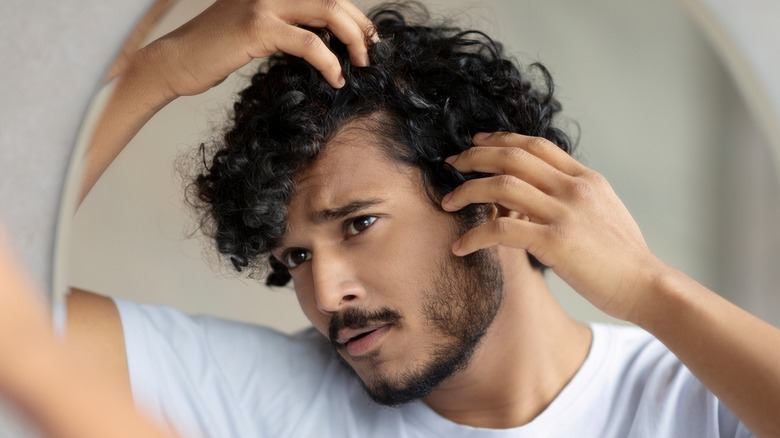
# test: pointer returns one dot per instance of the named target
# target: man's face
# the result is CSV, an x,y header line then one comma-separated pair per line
x,y
373,271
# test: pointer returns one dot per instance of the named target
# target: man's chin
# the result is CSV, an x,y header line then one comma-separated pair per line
x,y
389,395
408,386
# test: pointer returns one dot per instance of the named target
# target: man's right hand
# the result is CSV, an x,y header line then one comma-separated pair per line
x,y
204,51
230,33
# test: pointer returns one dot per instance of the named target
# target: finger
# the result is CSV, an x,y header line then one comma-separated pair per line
x,y
514,233
333,15
538,146
367,26
508,161
309,46
507,191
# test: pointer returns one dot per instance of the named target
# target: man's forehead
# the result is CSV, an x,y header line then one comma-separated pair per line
x,y
354,157
352,166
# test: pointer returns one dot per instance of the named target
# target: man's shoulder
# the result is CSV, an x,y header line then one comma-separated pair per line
x,y
628,345
648,390
223,337
204,373
630,359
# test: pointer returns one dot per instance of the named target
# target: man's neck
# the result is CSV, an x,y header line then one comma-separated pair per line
x,y
531,351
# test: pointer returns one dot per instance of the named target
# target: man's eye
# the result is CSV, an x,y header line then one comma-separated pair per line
x,y
295,257
358,225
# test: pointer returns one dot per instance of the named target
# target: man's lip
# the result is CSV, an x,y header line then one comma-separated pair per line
x,y
359,347
346,335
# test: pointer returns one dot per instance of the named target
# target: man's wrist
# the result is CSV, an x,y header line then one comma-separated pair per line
x,y
144,81
660,299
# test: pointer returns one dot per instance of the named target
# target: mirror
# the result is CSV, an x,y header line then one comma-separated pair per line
x,y
737,181
659,117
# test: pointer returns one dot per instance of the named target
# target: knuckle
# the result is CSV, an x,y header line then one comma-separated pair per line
x,y
506,183
503,225
330,6
311,41
597,178
514,154
538,144
468,154
581,188
505,135
551,234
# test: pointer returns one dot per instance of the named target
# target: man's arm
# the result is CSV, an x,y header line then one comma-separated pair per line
x,y
572,221
204,51
50,381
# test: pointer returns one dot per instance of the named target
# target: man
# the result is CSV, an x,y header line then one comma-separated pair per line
x,y
414,189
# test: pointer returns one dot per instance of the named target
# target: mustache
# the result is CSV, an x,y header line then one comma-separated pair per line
x,y
355,318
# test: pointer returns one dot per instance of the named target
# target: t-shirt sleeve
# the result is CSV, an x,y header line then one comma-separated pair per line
x,y
208,377
729,424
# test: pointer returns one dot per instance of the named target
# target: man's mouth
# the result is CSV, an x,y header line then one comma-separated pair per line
x,y
358,331
360,341
348,334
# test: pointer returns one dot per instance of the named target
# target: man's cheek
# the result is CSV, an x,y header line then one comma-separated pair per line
x,y
308,304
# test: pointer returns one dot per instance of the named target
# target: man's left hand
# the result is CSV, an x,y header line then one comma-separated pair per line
x,y
562,212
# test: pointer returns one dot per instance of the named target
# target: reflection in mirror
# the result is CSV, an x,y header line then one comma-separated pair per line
x,y
659,118
654,112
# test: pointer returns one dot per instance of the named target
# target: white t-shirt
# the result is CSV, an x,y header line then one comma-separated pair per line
x,y
209,377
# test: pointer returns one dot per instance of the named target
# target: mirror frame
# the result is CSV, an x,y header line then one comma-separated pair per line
x,y
55,55
745,36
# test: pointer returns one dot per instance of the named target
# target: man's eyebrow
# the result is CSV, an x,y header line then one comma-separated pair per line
x,y
332,214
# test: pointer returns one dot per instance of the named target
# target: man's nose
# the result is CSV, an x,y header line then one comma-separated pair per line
x,y
335,285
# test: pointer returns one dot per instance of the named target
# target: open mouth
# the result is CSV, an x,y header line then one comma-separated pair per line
x,y
361,336
363,342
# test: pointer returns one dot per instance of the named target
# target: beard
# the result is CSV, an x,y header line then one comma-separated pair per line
x,y
460,307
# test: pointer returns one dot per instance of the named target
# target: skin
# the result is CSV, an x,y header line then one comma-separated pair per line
x,y
381,267
369,260
571,220
62,392
547,204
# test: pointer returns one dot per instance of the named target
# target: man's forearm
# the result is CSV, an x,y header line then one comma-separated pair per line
x,y
46,379
66,401
138,95
733,353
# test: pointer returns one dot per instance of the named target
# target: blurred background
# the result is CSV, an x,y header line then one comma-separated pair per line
x,y
654,109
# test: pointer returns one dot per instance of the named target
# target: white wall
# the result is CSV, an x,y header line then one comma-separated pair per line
x,y
652,101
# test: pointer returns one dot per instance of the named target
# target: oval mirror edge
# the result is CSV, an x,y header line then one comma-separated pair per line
x,y
98,100
730,34
42,116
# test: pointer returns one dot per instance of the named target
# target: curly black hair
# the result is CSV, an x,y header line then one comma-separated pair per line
x,y
433,87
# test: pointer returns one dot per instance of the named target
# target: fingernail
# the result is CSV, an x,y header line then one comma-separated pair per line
x,y
482,135
451,159
341,81
446,199
374,36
